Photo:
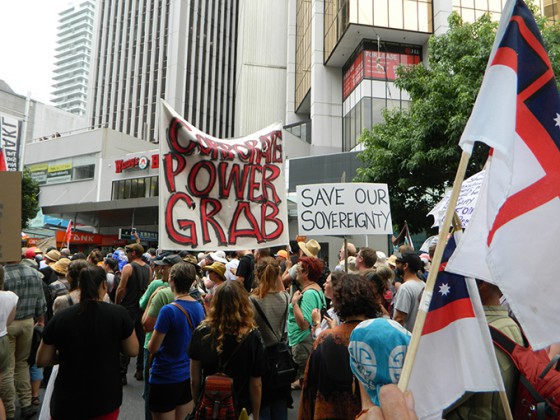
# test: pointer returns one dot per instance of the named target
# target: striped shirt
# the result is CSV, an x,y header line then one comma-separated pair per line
x,y
25,282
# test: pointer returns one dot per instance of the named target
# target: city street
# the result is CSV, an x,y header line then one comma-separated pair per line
x,y
133,405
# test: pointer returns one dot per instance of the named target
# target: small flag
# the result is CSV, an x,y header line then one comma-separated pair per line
x,y
68,235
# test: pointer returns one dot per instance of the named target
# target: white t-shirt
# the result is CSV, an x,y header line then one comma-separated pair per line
x,y
407,300
8,301
231,265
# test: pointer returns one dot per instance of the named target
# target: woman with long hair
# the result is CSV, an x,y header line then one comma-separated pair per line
x,y
270,302
86,340
329,390
228,341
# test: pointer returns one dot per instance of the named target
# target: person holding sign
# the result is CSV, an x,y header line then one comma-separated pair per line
x,y
308,273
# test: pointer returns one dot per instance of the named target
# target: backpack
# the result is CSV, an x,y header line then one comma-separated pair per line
x,y
217,400
538,391
282,369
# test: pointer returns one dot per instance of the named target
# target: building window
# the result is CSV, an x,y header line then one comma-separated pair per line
x,y
135,188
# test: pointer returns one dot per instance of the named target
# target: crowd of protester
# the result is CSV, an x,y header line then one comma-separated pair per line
x,y
188,316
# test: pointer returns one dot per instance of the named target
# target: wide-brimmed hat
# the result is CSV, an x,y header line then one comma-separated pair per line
x,y
53,255
392,261
191,259
311,248
219,256
218,268
61,266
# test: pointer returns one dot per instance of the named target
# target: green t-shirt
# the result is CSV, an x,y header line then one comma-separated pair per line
x,y
162,298
151,289
310,300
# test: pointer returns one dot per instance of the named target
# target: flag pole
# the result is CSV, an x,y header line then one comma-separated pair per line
x,y
434,268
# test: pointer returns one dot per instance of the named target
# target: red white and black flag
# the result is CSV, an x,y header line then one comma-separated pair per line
x,y
512,238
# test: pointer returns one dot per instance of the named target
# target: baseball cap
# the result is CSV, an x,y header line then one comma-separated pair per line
x,y
169,260
282,253
139,249
30,254
377,350
412,259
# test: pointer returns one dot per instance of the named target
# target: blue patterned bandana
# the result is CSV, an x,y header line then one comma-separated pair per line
x,y
377,350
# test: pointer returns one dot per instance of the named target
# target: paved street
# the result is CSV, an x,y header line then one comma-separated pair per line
x,y
133,404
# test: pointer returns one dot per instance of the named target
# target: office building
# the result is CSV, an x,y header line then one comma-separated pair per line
x,y
182,51
72,57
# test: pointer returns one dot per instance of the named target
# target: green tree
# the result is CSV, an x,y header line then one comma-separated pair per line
x,y
415,150
29,198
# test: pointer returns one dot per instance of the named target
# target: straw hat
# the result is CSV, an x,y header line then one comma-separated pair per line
x,y
311,248
61,266
53,255
218,268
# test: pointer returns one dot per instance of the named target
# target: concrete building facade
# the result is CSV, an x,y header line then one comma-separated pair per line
x,y
72,56
182,51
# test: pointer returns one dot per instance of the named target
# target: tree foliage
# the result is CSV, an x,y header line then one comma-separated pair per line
x,y
29,198
415,150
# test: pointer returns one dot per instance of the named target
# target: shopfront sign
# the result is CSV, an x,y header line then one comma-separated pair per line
x,y
136,163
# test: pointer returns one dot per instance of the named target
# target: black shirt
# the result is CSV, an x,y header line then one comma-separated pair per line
x,y
244,362
136,286
246,269
89,380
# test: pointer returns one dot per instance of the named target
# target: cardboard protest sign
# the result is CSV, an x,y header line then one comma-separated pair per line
x,y
10,216
344,209
214,193
465,203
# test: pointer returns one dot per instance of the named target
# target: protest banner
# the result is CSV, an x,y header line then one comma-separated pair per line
x,y
10,216
215,193
344,209
465,203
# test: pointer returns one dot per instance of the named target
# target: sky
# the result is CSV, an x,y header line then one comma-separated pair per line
x,y
27,43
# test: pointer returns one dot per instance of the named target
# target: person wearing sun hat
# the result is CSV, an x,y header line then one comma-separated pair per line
x,y
310,249
217,275
51,257
60,287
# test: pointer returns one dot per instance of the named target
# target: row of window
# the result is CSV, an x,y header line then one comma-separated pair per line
x,y
135,188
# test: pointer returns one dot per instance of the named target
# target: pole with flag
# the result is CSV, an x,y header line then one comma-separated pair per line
x,y
512,238
68,234
517,113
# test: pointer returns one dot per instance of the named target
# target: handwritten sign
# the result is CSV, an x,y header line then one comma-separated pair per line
x,y
465,203
213,193
344,209
10,216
